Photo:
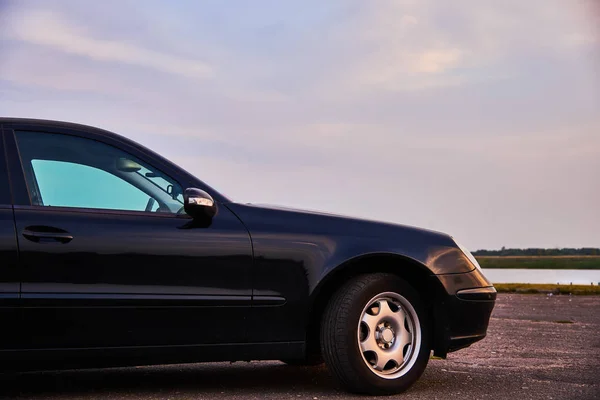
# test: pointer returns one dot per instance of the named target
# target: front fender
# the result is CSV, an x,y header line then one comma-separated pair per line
x,y
296,252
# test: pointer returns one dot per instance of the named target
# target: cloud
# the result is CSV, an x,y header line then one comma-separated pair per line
x,y
423,45
49,29
487,109
437,60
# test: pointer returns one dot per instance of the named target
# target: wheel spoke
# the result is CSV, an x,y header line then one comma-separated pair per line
x,y
400,317
385,310
371,321
382,360
369,344
399,356
403,334
405,338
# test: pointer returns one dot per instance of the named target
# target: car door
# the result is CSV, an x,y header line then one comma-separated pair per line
x,y
9,279
107,255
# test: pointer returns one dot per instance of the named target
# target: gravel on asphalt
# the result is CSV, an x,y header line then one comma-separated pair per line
x,y
538,347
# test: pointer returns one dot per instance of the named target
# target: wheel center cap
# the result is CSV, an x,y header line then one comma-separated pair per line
x,y
387,335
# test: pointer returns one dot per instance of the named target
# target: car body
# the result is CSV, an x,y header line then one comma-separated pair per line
x,y
88,279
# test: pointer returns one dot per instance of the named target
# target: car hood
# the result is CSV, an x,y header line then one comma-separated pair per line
x,y
339,218
340,237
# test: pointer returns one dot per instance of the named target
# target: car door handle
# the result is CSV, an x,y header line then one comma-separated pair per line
x,y
45,235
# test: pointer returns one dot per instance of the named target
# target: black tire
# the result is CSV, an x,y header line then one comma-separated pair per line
x,y
340,333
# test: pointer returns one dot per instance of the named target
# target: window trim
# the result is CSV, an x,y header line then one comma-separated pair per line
x,y
121,142
16,170
16,174
4,159
101,211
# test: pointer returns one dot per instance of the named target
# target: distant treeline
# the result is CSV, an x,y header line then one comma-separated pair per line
x,y
584,251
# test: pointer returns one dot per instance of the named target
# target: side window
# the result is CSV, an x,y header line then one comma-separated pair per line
x,y
86,187
69,171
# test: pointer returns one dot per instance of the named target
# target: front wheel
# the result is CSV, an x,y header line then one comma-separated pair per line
x,y
375,335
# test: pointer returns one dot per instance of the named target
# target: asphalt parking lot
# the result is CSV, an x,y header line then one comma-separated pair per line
x,y
538,347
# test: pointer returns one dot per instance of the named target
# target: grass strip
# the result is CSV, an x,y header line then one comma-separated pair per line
x,y
544,262
533,288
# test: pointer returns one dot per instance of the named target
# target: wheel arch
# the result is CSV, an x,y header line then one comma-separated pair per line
x,y
412,271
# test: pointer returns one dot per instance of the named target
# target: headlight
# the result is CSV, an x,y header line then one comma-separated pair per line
x,y
468,254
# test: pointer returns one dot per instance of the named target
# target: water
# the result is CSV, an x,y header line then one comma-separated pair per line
x,y
562,276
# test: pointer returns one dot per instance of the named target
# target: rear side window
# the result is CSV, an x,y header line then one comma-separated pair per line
x,y
4,186
71,171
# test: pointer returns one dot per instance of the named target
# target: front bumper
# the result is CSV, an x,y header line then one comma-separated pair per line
x,y
463,311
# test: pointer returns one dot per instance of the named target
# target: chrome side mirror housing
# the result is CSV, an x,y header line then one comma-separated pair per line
x,y
199,204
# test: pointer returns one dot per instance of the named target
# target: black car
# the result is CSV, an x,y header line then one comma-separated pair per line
x,y
114,256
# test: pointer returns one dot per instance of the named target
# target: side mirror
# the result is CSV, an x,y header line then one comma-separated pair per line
x,y
198,204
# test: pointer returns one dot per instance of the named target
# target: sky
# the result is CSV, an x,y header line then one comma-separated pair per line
x,y
477,118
